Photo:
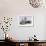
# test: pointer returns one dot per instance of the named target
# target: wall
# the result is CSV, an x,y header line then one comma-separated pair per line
x,y
23,33
12,8
18,7
45,29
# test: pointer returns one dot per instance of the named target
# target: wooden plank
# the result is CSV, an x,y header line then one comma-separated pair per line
x,y
25,44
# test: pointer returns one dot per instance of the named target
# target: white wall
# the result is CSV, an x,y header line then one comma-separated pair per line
x,y
13,8
45,29
23,33
17,7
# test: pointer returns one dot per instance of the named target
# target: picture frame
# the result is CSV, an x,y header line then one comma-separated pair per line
x,y
25,21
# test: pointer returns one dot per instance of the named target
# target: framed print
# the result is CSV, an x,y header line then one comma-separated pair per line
x,y
25,20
